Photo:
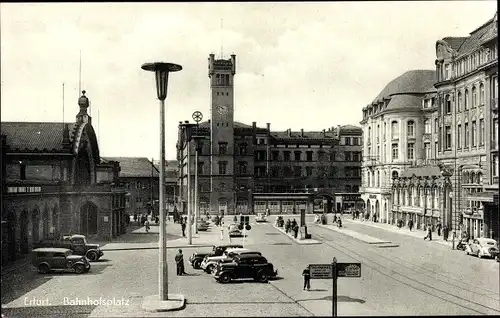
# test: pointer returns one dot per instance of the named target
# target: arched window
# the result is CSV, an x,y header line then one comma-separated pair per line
x,y
394,130
409,193
369,134
411,128
227,79
479,178
465,177
394,174
459,102
368,178
474,96
481,94
472,178
466,99
378,178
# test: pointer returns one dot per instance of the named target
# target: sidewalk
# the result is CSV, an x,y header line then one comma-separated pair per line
x,y
301,242
404,231
361,237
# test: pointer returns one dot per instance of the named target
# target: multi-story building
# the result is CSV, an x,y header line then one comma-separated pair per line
x,y
139,177
446,148
394,127
467,116
244,168
54,182
171,186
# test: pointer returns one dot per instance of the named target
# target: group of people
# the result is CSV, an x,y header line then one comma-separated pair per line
x,y
292,226
428,228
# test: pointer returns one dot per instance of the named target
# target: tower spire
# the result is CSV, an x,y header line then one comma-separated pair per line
x,y
221,38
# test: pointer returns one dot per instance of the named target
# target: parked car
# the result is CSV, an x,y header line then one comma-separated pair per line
x,y
76,243
243,267
260,218
209,263
482,247
197,257
202,225
47,259
234,231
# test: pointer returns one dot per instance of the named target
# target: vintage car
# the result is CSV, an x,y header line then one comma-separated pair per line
x,y
243,267
260,218
234,231
482,247
202,225
76,243
48,259
209,263
197,257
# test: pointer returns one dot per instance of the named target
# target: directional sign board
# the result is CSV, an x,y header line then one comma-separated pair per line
x,y
348,269
321,271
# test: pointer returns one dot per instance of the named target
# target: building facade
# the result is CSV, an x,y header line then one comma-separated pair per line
x,y
139,176
467,119
249,169
434,158
54,182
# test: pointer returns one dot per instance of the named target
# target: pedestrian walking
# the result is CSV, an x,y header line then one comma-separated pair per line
x,y
179,262
306,273
429,233
438,228
146,224
410,224
183,228
446,232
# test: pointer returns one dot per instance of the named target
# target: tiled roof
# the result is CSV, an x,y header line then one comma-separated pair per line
x,y
405,102
42,136
485,32
455,42
424,171
350,128
414,81
131,167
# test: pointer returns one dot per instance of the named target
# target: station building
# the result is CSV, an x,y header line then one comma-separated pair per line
x,y
54,182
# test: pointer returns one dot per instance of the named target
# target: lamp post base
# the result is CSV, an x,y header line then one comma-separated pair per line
x,y
154,304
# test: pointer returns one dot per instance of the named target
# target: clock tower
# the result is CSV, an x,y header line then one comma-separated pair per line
x,y
221,73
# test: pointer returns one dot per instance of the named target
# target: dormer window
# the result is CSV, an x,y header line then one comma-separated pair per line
x,y
447,72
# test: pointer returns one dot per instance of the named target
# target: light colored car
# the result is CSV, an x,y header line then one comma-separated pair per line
x,y
210,262
233,230
482,247
260,218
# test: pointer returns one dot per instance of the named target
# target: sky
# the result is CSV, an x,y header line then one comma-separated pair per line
x,y
299,65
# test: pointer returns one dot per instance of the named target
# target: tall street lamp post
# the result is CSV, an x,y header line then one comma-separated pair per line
x,y
187,128
161,71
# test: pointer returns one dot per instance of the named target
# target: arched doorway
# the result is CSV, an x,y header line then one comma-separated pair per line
x,y
24,223
377,211
88,219
45,223
35,225
11,235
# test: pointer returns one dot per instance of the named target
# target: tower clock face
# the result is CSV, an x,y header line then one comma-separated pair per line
x,y
222,109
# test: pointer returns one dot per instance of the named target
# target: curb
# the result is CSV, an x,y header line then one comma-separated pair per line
x,y
300,242
155,305
152,248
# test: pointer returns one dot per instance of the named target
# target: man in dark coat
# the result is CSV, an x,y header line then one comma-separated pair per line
x,y
410,224
183,227
307,278
179,262
429,233
445,233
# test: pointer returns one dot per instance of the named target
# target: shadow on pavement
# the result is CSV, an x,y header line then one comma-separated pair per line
x,y
49,311
191,274
344,299
19,284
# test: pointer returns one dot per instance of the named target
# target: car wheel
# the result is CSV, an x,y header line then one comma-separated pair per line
x,y
209,269
225,278
79,269
197,264
43,268
92,256
262,277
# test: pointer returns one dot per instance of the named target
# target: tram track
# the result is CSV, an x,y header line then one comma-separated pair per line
x,y
452,296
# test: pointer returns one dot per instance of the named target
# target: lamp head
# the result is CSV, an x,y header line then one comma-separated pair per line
x,y
161,70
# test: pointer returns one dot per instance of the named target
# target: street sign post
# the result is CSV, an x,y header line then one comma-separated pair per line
x,y
333,271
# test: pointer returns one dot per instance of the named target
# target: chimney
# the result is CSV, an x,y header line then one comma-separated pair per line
x,y
268,129
254,124
289,132
301,132
324,134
